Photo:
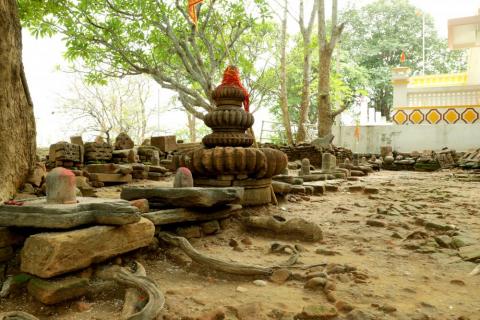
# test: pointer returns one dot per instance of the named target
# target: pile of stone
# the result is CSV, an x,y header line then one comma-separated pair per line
x,y
164,143
140,171
125,156
156,173
303,151
314,153
123,142
65,154
100,174
97,152
149,155
470,160
66,234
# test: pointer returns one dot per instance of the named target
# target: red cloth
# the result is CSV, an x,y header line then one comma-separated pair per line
x,y
231,77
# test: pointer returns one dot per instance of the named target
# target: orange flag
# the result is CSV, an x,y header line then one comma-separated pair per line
x,y
192,11
356,133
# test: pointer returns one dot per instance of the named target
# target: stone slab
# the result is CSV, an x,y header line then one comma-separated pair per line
x,y
184,197
281,187
179,215
470,253
318,188
111,177
55,291
39,214
50,254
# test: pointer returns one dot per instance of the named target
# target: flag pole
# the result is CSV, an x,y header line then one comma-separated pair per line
x,y
423,42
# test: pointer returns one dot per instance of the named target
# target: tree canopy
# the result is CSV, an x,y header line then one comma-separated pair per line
x,y
376,35
157,38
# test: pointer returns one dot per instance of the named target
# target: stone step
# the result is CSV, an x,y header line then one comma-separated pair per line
x,y
50,254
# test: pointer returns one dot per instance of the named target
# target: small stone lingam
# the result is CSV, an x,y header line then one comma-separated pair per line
x,y
228,158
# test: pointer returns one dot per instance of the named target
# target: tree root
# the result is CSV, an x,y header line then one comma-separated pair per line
x,y
223,266
17,315
156,299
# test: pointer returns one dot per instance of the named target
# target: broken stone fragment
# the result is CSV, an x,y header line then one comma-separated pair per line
x,y
210,227
317,312
184,197
281,187
295,228
49,254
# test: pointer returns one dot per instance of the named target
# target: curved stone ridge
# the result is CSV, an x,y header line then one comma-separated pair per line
x,y
253,162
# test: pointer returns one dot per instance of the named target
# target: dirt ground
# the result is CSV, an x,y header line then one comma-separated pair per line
x,y
405,273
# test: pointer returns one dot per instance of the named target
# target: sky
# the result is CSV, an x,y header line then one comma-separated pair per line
x,y
42,58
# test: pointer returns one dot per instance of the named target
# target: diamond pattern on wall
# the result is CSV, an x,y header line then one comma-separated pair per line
x,y
469,115
416,117
400,117
433,116
451,116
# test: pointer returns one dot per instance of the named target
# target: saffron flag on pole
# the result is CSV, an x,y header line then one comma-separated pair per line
x,y
192,10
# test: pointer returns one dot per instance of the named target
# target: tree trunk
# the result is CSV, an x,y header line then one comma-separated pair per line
x,y
17,122
192,130
283,79
307,61
325,52
325,119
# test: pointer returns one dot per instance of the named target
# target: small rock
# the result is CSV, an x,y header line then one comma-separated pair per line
x,y
359,315
396,235
233,243
330,296
210,227
82,306
280,276
246,241
376,223
388,308
343,306
241,289
141,204
315,283
326,252
216,314
28,188
457,282
444,241
260,283
371,190
357,188
317,312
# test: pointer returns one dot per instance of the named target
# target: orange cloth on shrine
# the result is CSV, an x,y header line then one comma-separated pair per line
x,y
192,12
231,77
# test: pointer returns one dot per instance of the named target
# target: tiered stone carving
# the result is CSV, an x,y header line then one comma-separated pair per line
x,y
228,159
228,121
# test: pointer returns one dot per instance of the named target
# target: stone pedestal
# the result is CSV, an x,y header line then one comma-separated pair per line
x,y
305,169
329,162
